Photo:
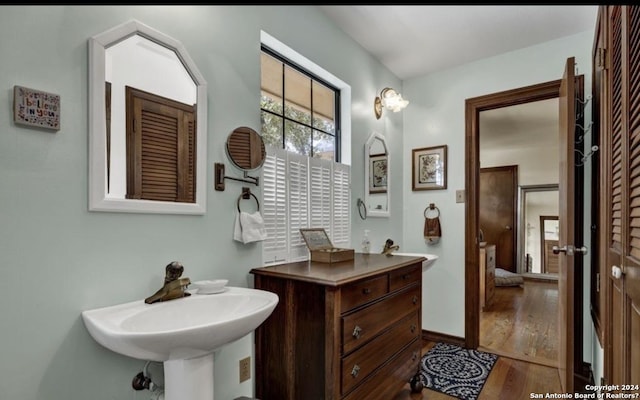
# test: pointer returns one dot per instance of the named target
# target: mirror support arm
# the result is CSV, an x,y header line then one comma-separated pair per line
x,y
220,177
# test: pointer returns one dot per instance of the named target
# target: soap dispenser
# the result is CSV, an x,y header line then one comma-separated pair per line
x,y
366,243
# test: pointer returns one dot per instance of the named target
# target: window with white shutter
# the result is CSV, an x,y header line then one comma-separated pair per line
x,y
304,183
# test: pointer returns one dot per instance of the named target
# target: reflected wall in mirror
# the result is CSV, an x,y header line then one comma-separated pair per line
x,y
147,133
538,220
376,171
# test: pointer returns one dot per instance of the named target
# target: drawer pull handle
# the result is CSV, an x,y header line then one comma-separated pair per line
x,y
366,291
415,356
413,328
415,299
356,332
407,276
355,370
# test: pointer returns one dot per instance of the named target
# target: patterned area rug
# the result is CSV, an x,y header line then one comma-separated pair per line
x,y
456,371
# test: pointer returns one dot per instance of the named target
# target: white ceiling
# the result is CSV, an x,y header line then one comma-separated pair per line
x,y
413,41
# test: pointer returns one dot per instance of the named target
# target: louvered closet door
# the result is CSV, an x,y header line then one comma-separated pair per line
x,y
621,140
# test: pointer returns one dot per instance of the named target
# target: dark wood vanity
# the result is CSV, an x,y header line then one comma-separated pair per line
x,y
349,330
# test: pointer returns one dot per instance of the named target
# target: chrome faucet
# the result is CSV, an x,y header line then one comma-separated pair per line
x,y
389,247
174,286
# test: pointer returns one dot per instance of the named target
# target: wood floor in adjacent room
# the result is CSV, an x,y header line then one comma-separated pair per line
x,y
521,328
522,323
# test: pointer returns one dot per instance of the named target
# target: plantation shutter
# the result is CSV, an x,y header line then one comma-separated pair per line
x,y
341,200
298,173
274,206
321,195
301,192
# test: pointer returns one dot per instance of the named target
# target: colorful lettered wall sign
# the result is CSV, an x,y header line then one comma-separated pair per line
x,y
36,108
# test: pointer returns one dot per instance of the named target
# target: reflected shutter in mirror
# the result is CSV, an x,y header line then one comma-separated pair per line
x,y
160,148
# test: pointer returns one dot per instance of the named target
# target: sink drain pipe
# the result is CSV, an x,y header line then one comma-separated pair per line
x,y
142,381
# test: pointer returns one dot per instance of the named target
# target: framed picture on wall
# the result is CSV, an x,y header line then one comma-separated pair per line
x,y
378,173
429,168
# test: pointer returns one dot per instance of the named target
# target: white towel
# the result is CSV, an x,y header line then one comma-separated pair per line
x,y
249,227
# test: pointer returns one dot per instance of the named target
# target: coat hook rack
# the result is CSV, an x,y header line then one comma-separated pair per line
x,y
586,100
585,157
220,177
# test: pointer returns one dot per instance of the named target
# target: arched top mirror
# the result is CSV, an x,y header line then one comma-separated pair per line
x,y
147,113
376,171
245,149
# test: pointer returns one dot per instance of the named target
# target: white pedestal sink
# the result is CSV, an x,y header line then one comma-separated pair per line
x,y
181,333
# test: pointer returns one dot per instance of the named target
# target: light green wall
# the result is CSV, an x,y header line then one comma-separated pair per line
x,y
59,259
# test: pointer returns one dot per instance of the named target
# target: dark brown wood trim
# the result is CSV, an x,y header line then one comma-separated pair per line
x,y
473,106
430,336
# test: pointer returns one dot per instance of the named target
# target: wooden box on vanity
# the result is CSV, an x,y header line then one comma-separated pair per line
x,y
347,330
321,248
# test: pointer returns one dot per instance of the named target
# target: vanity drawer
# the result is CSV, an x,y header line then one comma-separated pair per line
x,y
387,381
364,291
363,325
359,364
405,277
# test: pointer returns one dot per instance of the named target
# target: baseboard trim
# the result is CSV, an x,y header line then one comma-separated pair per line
x,y
430,336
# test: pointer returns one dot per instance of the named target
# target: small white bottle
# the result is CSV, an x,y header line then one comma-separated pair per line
x,y
366,244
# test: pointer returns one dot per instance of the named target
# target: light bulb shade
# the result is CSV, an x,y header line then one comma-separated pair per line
x,y
390,99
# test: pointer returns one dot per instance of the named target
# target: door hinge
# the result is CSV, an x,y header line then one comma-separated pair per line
x,y
601,54
597,282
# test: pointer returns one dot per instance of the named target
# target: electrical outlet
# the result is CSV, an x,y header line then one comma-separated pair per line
x,y
245,369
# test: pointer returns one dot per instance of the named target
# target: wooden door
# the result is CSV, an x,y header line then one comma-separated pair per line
x,y
498,205
621,196
569,280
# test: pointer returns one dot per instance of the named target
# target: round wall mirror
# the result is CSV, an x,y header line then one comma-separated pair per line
x,y
245,148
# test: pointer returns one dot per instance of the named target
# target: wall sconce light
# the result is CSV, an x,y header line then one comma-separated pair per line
x,y
389,99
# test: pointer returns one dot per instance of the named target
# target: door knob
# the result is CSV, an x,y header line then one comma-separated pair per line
x,y
569,250
508,227
558,250
616,272
583,250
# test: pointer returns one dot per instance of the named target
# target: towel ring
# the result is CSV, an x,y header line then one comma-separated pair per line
x,y
362,209
245,195
432,207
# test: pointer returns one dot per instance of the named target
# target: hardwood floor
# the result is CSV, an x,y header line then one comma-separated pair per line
x,y
522,323
521,327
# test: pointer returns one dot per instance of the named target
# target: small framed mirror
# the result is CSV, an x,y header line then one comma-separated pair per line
x,y
376,171
147,119
245,149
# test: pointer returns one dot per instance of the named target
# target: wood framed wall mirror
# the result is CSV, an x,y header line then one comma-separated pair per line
x,y
539,226
376,171
147,118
